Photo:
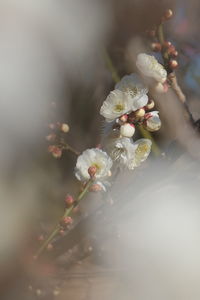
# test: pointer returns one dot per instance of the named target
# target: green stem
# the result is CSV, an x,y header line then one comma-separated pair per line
x,y
111,67
116,79
147,135
67,213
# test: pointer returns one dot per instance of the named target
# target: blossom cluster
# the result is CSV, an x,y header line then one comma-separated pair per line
x,y
126,107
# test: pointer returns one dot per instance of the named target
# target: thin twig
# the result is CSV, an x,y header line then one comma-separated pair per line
x,y
171,74
67,213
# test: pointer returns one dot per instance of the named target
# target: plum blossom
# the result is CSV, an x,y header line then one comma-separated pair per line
x,y
128,153
132,86
93,157
150,67
116,104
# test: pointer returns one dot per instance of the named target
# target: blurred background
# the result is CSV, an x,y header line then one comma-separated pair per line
x,y
52,68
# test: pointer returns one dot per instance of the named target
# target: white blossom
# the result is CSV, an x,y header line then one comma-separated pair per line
x,y
135,89
116,104
150,67
152,121
93,157
129,154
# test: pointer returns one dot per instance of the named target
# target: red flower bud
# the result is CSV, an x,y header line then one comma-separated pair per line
x,y
51,137
67,220
92,171
124,118
52,126
49,247
156,47
69,200
168,14
173,64
166,44
55,151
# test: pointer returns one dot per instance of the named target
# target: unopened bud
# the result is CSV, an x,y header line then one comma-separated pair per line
x,y
52,126
41,238
152,122
69,200
173,64
171,50
174,54
67,220
95,188
64,128
124,118
55,151
51,137
62,232
166,44
150,104
49,247
168,14
92,171
127,130
156,47
140,113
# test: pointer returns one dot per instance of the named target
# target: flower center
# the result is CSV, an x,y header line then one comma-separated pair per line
x,y
97,166
119,107
142,149
117,152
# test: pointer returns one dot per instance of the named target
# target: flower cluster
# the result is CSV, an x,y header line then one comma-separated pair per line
x,y
124,108
128,105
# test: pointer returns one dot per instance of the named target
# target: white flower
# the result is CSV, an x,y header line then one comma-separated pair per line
x,y
93,157
135,89
130,154
152,121
116,104
150,67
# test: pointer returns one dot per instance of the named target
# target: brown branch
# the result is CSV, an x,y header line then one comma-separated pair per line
x,y
177,89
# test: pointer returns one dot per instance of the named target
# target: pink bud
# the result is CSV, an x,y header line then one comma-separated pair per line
x,y
56,151
69,200
168,14
41,238
51,137
49,247
173,64
156,47
62,232
67,220
92,171
124,118
52,126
